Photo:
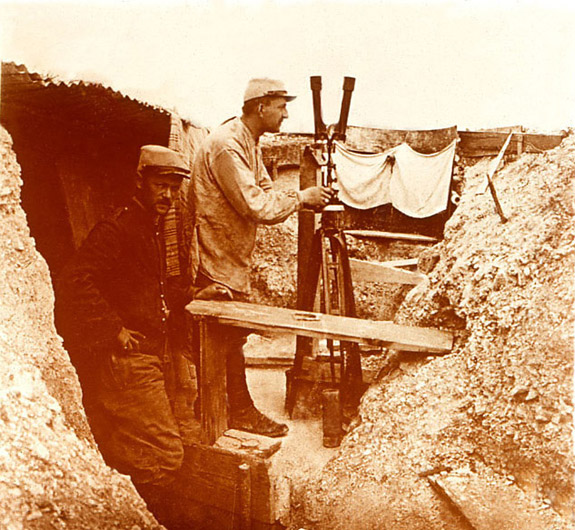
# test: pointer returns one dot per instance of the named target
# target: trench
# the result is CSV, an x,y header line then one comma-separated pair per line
x,y
75,175
77,166
302,455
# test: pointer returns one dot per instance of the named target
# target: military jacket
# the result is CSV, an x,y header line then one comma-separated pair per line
x,y
117,278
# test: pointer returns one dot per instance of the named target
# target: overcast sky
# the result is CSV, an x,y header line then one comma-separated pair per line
x,y
418,64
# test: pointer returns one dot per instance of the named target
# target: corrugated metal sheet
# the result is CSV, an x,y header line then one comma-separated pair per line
x,y
77,101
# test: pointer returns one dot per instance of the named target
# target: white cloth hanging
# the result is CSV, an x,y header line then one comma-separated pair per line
x,y
419,185
414,183
363,179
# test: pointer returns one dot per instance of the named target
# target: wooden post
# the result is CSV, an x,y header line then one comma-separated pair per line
x,y
331,415
245,497
213,392
490,175
308,177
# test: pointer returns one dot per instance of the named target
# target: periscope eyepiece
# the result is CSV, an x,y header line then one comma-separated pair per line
x,y
327,135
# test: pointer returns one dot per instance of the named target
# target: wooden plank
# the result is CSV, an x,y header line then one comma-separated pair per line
x,y
245,497
489,503
368,271
492,169
375,140
269,362
310,175
213,393
481,143
505,129
411,262
248,443
494,165
318,325
378,234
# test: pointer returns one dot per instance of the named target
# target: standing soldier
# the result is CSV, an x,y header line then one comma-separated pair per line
x,y
116,315
231,193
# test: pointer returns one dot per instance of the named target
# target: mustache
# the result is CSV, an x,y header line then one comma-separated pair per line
x,y
165,202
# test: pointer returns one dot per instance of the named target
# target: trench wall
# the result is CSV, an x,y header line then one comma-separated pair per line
x,y
52,475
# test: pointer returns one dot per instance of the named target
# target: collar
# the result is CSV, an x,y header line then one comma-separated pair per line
x,y
251,133
154,219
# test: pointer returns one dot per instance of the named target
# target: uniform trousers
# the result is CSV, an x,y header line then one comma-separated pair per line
x,y
138,407
233,339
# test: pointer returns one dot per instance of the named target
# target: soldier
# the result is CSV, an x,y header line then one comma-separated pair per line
x,y
231,193
115,312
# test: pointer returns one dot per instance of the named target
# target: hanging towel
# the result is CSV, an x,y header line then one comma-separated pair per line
x,y
363,179
419,185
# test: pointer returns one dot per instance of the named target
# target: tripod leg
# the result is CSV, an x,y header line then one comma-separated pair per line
x,y
304,344
351,385
328,268
309,295
345,268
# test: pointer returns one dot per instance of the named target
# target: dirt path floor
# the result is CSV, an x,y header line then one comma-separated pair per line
x,y
302,450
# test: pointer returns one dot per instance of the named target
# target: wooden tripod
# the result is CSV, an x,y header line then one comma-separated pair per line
x,y
329,268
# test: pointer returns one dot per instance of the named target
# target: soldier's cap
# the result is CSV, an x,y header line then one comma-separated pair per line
x,y
261,87
163,161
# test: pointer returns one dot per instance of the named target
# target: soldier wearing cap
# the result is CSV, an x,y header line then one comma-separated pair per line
x,y
115,312
231,193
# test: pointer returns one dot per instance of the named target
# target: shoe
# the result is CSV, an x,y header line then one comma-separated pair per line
x,y
252,420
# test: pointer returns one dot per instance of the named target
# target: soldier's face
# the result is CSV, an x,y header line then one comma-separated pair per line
x,y
274,112
159,191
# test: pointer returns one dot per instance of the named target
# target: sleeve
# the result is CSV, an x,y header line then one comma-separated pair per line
x,y
83,315
261,203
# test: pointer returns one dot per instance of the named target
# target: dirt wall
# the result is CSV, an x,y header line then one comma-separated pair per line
x,y
51,474
500,406
512,283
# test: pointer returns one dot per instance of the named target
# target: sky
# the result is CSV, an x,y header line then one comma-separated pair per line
x,y
418,64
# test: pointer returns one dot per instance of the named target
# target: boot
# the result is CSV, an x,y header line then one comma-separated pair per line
x,y
252,420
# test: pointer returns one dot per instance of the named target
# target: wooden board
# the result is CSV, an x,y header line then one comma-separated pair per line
x,y
309,176
377,140
482,143
268,362
378,234
489,504
409,263
248,443
318,325
368,271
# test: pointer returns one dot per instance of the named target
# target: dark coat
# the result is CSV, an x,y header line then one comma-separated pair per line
x,y
117,278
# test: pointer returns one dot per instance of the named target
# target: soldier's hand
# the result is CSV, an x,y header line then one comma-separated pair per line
x,y
129,339
316,197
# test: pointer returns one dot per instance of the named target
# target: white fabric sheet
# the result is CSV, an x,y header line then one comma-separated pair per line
x,y
414,183
419,185
363,179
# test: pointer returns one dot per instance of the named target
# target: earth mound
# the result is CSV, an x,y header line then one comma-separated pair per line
x,y
500,406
